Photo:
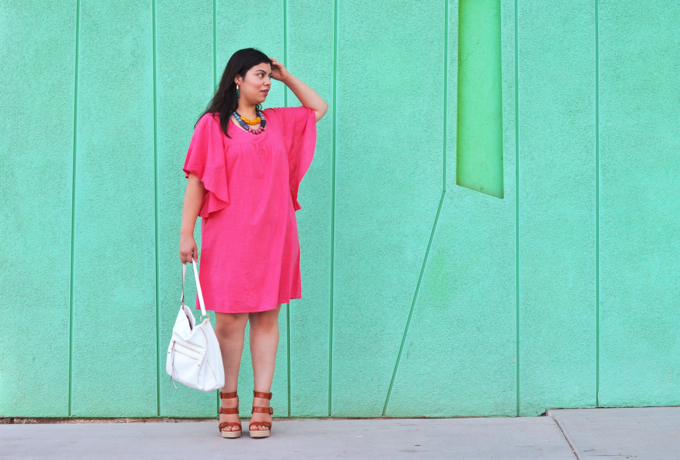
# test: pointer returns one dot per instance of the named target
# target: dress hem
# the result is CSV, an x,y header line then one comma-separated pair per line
x,y
250,311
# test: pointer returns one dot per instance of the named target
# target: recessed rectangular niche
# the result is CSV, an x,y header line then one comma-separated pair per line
x,y
479,150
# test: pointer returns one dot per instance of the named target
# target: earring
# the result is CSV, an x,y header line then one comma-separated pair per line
x,y
237,93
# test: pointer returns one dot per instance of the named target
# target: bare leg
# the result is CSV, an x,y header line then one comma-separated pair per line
x,y
230,332
264,342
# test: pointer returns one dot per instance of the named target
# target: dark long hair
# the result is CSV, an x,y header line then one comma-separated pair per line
x,y
225,101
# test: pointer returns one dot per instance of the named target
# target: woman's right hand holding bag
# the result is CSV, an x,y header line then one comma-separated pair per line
x,y
188,250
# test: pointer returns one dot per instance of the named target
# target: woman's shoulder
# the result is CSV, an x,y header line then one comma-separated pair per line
x,y
210,123
207,123
209,118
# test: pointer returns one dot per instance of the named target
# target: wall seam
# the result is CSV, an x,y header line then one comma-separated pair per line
x,y
333,154
73,214
517,184
597,205
155,180
214,48
288,353
285,103
218,400
441,201
285,50
446,91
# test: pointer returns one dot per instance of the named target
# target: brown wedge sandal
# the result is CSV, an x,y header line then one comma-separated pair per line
x,y
266,410
229,410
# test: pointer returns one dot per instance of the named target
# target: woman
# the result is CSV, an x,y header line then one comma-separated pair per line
x,y
244,167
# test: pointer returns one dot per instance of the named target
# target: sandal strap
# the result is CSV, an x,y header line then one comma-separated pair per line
x,y
259,394
228,395
267,424
223,424
264,410
228,410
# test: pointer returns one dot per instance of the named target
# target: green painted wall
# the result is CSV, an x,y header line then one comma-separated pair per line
x,y
422,296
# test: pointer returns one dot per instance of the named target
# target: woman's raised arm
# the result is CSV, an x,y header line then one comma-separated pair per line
x,y
307,96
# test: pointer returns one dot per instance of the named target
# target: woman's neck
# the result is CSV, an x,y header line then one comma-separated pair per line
x,y
247,110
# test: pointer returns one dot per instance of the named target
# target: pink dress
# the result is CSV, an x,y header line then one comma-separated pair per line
x,y
250,252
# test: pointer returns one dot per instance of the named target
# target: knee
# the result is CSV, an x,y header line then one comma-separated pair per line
x,y
229,324
264,321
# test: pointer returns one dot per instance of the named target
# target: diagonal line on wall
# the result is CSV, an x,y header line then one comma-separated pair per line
x,y
413,303
439,208
73,214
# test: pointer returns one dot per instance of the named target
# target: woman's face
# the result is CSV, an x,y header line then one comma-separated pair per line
x,y
255,87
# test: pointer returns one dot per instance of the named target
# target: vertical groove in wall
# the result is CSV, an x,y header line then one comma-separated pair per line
x,y
218,400
155,187
333,147
446,89
285,50
288,353
517,204
441,200
285,104
73,213
597,206
214,47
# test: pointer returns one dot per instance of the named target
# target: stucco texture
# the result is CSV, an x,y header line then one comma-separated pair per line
x,y
421,296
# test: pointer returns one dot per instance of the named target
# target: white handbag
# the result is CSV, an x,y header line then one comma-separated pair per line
x,y
194,356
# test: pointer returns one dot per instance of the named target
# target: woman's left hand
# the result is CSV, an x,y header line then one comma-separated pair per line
x,y
279,72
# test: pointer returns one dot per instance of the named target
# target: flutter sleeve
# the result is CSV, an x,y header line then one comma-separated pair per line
x,y
205,158
298,128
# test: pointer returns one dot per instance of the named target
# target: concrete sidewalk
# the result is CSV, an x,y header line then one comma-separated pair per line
x,y
563,434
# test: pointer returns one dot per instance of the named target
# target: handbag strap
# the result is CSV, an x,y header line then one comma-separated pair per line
x,y
198,287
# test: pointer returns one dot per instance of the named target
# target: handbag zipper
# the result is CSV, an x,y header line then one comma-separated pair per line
x,y
177,351
187,347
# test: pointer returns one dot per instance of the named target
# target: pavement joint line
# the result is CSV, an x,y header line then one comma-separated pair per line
x,y
574,449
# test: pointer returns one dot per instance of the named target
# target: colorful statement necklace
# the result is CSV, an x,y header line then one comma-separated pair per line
x,y
251,122
244,122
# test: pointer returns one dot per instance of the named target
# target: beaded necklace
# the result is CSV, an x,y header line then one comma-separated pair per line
x,y
245,124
